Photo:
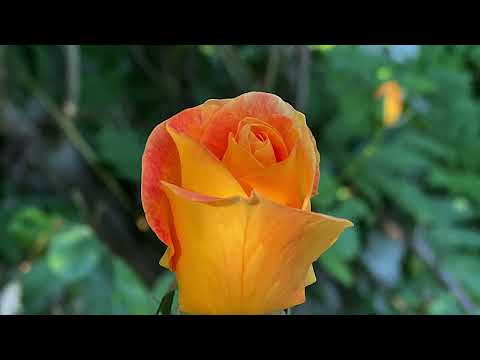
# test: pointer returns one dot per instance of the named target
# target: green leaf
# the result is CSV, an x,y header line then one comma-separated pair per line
x,y
367,189
335,260
346,248
459,183
409,198
41,286
339,270
175,303
426,145
407,159
355,210
455,237
130,295
466,269
327,190
419,84
162,285
10,252
410,295
448,211
121,149
93,295
74,252
444,305
166,305
28,225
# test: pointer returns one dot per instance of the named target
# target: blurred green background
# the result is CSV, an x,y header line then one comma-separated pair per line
x,y
74,121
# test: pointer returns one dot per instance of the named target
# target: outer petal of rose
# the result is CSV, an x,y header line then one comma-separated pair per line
x,y
316,178
201,172
308,158
193,121
299,297
263,106
160,162
245,256
311,278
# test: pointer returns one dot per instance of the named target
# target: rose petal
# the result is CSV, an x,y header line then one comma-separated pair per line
x,y
269,108
308,159
277,182
250,127
311,278
392,102
245,255
265,154
161,161
263,106
193,121
201,171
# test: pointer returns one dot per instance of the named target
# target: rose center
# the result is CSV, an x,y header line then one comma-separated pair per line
x,y
261,140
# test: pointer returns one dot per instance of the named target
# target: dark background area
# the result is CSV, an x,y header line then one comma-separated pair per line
x,y
74,121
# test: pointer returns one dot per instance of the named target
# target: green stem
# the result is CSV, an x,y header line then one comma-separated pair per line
x,y
368,150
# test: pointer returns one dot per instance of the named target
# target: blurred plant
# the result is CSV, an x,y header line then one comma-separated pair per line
x,y
413,190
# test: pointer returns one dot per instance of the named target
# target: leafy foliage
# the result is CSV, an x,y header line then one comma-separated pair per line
x,y
422,173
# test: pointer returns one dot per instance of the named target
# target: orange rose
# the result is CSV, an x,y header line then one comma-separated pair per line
x,y
392,102
226,186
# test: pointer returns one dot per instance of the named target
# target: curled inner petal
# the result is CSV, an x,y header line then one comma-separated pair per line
x,y
257,132
265,153
277,181
201,171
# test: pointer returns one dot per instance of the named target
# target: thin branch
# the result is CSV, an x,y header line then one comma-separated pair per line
x,y
421,248
272,68
77,140
303,77
3,77
72,80
368,150
146,65
160,77
236,68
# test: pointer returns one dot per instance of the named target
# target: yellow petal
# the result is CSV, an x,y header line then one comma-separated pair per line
x,y
265,154
262,106
165,260
392,102
299,297
201,171
392,106
245,256
277,182
288,182
311,278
